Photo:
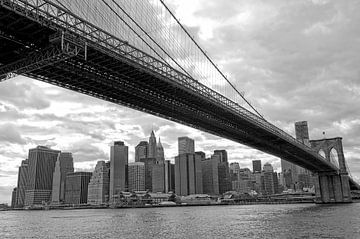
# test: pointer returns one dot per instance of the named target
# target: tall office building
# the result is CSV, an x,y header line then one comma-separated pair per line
x,y
188,174
136,176
98,189
152,146
64,164
169,176
186,145
235,167
160,156
76,191
234,171
256,166
210,175
141,151
223,172
302,132
223,155
158,177
118,168
270,180
21,184
40,175
13,198
149,163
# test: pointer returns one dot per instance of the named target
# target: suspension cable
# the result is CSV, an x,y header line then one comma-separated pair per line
x,y
209,59
152,39
135,32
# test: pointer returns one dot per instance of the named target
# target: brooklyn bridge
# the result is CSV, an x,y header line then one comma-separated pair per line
x,y
131,55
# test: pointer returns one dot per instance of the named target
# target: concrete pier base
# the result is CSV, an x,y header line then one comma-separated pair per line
x,y
332,188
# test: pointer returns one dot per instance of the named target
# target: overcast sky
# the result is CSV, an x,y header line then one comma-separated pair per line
x,y
295,60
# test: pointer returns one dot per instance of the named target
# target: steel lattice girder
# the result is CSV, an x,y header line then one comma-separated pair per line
x,y
231,120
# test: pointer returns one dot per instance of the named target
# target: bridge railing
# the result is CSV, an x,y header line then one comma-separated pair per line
x,y
60,19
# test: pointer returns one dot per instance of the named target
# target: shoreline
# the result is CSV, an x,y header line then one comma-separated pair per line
x,y
45,208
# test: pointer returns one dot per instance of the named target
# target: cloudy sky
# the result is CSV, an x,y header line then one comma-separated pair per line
x,y
295,60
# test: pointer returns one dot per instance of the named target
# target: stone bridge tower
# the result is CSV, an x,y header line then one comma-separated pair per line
x,y
332,187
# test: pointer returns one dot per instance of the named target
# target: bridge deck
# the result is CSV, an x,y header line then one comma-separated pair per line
x,y
38,46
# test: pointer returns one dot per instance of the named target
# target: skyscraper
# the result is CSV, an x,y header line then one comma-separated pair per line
x,y
270,180
152,146
118,168
22,183
40,175
234,171
223,155
169,176
210,175
158,177
256,166
223,172
160,156
13,198
136,176
186,145
64,164
76,191
149,163
141,150
302,132
98,189
188,174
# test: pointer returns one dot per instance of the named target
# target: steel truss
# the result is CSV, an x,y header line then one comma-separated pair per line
x,y
78,38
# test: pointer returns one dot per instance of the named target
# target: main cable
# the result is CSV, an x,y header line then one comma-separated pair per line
x,y
157,44
209,59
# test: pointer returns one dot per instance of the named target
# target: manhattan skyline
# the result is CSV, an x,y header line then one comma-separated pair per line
x,y
319,85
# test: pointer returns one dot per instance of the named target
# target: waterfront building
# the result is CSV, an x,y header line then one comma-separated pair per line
x,y
22,183
40,175
234,172
270,180
256,166
13,198
118,168
152,145
136,176
210,175
223,172
243,186
64,164
257,182
160,156
149,163
188,174
169,176
141,151
186,145
76,191
158,177
98,188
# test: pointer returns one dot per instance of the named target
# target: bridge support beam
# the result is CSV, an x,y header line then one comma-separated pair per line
x,y
332,188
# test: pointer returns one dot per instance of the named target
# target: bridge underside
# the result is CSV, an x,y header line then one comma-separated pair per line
x,y
34,49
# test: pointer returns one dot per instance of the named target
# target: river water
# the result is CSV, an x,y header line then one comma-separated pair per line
x,y
243,221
